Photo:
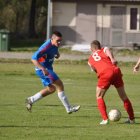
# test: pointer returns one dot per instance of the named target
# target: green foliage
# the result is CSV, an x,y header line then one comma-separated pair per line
x,y
2,4
15,16
48,119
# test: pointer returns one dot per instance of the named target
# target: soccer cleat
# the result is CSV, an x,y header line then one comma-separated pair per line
x,y
128,121
104,122
29,104
73,109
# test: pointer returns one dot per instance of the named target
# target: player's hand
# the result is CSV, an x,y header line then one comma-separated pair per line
x,y
114,62
136,69
45,72
57,56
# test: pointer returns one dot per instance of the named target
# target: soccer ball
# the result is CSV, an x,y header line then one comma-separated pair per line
x,y
114,115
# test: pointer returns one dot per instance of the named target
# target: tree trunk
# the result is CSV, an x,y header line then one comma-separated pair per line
x,y
32,31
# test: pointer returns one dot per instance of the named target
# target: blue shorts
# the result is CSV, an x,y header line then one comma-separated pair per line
x,y
49,79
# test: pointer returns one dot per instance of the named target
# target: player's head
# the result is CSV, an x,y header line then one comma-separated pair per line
x,y
56,38
95,45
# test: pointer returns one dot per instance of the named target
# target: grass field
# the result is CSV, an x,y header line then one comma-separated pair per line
x,y
48,120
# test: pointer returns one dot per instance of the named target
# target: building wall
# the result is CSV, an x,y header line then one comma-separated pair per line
x,y
113,25
103,24
76,20
86,22
64,20
83,21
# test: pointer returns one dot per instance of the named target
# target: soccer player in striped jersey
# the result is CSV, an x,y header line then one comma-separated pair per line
x,y
43,60
103,63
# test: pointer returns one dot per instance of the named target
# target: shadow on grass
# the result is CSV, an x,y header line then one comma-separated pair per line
x,y
63,126
33,126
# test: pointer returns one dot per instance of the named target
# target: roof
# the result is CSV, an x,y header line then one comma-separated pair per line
x,y
114,1
120,0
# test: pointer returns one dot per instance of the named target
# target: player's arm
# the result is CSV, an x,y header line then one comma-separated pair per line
x,y
137,66
110,55
37,64
35,61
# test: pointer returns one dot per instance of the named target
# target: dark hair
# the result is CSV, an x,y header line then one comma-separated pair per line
x,y
57,33
97,43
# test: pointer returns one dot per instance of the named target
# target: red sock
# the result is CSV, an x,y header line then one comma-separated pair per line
x,y
128,107
102,108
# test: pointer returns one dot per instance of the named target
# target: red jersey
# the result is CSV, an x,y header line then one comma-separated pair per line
x,y
99,61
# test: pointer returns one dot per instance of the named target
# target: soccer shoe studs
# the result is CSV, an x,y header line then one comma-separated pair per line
x,y
73,109
28,104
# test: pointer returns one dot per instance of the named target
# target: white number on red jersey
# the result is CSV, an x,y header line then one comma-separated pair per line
x,y
96,57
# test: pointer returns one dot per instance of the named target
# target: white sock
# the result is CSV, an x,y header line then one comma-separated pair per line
x,y
36,97
64,100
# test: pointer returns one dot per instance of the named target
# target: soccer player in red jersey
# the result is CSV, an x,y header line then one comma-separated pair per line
x,y
103,63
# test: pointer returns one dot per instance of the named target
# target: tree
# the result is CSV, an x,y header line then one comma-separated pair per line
x,y
37,16
24,18
32,31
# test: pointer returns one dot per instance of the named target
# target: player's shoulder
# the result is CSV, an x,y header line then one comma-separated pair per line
x,y
46,43
104,48
45,46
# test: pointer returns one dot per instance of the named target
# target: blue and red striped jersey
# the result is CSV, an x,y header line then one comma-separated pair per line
x,y
45,54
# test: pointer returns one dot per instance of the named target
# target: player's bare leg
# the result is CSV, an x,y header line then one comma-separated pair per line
x,y
44,92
